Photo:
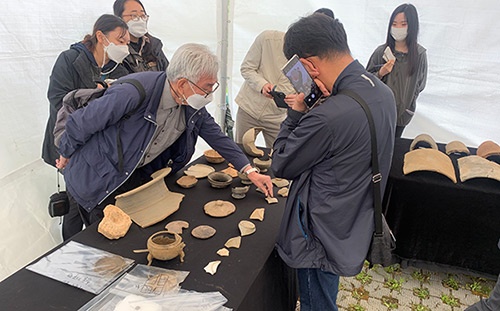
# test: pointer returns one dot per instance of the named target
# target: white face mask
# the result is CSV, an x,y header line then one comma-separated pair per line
x,y
198,101
116,53
137,28
399,34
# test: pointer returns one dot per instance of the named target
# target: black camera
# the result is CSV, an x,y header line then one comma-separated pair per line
x,y
58,204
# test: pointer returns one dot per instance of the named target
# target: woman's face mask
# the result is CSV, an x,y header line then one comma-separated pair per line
x,y
137,28
116,53
399,34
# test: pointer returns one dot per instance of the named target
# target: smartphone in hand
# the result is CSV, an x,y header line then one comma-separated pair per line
x,y
279,98
302,82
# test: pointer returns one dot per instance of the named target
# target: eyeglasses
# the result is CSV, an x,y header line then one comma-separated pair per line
x,y
214,88
136,17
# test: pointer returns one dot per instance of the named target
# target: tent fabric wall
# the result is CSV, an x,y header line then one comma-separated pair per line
x,y
460,101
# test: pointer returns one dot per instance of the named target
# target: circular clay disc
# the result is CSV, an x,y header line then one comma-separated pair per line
x,y
203,232
219,208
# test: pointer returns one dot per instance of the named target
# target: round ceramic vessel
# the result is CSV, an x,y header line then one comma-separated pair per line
x,y
219,179
164,245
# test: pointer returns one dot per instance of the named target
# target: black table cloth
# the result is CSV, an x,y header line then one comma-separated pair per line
x,y
438,221
253,277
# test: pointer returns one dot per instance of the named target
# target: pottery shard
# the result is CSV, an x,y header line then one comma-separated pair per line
x,y
187,181
271,200
212,267
248,142
258,214
177,226
223,252
246,227
231,171
283,192
219,208
115,223
203,232
233,242
280,182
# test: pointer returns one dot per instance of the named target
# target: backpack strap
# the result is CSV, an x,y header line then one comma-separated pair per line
x,y
142,95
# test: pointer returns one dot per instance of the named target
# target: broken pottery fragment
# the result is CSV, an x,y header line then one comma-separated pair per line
x,y
271,200
187,181
177,226
233,242
248,142
164,245
115,223
212,267
231,171
258,214
478,167
212,156
223,252
219,208
246,227
109,265
283,192
203,232
280,182
263,165
239,192
199,170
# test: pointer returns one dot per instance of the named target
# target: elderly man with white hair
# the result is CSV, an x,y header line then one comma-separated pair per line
x,y
115,143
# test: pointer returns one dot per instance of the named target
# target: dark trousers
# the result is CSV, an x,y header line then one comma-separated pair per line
x,y
399,131
72,221
318,290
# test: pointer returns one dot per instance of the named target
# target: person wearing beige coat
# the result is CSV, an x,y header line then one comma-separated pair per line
x,y
261,70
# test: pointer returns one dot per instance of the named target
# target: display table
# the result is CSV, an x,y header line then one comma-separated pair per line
x,y
438,221
253,277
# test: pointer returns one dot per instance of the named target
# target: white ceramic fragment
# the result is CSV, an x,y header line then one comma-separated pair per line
x,y
177,226
212,267
246,227
280,182
271,200
283,192
223,252
258,214
233,242
199,170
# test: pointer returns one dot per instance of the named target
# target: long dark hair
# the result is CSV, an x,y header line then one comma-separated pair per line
x,y
105,23
411,16
119,7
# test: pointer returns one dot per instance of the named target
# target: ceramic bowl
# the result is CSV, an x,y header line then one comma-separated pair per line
x,y
213,156
219,179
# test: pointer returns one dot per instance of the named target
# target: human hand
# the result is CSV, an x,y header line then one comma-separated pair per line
x,y
296,102
61,162
263,182
266,89
386,68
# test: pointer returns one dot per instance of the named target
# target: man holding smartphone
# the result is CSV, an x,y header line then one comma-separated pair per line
x,y
329,217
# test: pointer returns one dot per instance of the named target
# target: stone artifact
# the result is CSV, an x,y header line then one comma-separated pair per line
x,y
219,208
219,179
164,245
283,192
199,170
423,141
280,182
203,232
233,242
271,200
223,252
457,147
246,227
239,192
258,214
263,165
231,171
429,160
187,181
478,167
212,267
109,265
487,149
115,223
248,141
176,226
151,202
213,156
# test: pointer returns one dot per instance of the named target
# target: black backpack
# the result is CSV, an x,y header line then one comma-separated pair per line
x,y
80,98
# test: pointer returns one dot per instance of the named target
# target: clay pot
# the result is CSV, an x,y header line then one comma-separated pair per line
x,y
263,165
164,245
212,156
244,177
239,192
219,179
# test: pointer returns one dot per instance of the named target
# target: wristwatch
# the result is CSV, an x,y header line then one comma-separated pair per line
x,y
253,169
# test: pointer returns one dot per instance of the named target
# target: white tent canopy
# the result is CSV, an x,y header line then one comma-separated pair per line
x,y
460,101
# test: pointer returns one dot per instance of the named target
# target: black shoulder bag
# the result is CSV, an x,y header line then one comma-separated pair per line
x,y
383,241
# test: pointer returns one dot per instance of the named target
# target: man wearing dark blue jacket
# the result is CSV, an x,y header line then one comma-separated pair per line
x,y
160,131
329,217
